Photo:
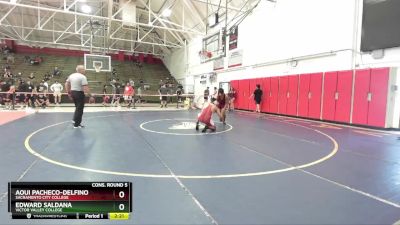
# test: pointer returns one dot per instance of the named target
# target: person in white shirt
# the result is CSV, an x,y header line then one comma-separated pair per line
x,y
139,94
214,95
46,85
76,87
56,88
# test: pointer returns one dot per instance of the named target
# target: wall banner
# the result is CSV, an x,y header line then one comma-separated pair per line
x,y
219,63
235,58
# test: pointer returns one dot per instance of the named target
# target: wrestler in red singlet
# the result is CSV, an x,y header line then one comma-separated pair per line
x,y
205,117
221,99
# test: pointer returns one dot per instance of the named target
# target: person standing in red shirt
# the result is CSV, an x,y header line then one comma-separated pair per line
x,y
129,91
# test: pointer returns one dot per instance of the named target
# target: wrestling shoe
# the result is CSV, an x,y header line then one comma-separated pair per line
x,y
205,129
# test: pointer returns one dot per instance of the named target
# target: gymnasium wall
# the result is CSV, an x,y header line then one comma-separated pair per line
x,y
22,48
185,61
323,35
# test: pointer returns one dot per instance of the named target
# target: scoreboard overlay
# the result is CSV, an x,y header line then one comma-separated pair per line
x,y
70,200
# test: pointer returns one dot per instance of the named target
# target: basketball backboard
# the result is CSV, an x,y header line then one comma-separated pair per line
x,y
213,46
97,62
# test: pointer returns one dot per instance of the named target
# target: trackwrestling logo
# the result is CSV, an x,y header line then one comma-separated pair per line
x,y
183,126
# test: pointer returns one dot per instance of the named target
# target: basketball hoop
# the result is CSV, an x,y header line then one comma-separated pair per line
x,y
97,66
97,63
205,55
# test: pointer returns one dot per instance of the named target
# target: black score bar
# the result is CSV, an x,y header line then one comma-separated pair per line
x,y
87,216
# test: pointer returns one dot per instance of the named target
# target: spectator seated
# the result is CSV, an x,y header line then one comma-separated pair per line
x,y
6,68
36,61
27,59
56,72
114,72
6,50
46,77
8,75
32,76
92,99
146,86
139,64
10,59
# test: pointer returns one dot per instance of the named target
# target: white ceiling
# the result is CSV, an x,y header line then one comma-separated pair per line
x,y
63,24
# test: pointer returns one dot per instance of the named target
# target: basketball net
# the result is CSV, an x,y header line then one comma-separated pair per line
x,y
97,68
205,55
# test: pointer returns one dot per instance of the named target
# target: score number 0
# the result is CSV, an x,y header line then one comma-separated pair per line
x,y
121,206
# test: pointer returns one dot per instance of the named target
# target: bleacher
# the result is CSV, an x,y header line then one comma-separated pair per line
x,y
149,73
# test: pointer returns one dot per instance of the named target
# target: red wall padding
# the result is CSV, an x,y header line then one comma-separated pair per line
x,y
379,90
343,103
304,89
361,89
306,95
274,94
329,106
314,105
283,98
243,94
121,56
292,95
266,85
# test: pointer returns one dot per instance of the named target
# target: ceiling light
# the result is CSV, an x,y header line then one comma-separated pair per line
x,y
13,1
166,13
86,9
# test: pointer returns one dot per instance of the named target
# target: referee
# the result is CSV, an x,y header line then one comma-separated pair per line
x,y
76,86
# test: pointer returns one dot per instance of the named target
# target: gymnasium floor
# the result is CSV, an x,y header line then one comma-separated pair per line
x,y
257,169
